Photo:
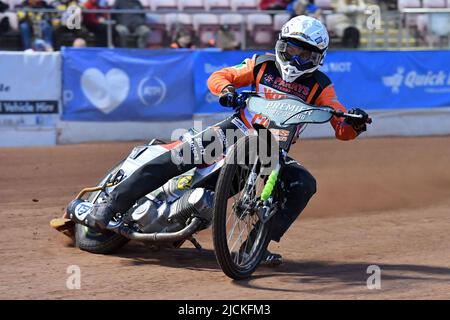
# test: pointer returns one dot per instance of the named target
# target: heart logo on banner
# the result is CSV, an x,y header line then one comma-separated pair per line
x,y
105,91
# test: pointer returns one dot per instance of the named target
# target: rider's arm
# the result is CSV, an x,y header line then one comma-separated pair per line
x,y
237,76
343,130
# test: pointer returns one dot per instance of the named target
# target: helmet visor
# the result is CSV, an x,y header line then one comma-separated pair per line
x,y
301,57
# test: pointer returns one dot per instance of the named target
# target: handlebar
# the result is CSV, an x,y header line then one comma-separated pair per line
x,y
339,113
242,97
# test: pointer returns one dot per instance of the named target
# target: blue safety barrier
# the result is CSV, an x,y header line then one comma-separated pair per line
x,y
130,85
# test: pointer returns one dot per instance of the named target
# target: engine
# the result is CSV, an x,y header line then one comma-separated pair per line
x,y
153,215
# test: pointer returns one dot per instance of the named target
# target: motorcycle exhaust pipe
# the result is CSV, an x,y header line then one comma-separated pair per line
x,y
79,209
158,236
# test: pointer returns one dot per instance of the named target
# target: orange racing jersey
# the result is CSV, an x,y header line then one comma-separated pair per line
x,y
261,72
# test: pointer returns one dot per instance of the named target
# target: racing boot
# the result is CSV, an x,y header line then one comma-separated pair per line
x,y
269,259
100,215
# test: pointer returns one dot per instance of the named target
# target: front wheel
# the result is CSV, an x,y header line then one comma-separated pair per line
x,y
93,241
240,237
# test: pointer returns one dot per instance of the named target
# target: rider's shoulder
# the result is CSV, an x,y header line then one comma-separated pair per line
x,y
261,58
322,79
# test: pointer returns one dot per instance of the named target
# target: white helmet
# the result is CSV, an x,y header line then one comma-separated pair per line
x,y
301,47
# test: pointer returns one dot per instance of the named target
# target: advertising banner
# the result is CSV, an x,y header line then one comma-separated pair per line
x,y
127,85
142,85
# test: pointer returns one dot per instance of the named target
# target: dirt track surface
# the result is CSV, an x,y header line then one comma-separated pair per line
x,y
382,202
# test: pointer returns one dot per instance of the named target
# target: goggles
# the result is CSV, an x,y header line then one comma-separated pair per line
x,y
298,55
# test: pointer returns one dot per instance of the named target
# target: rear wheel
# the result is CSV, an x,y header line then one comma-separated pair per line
x,y
94,241
240,238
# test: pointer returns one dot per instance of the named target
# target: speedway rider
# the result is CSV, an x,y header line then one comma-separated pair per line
x,y
293,70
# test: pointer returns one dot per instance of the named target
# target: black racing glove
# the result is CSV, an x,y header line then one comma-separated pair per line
x,y
359,124
228,98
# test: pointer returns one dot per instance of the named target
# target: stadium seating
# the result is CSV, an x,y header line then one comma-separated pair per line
x,y
177,21
279,20
401,4
411,20
206,26
157,25
217,4
13,3
244,4
231,19
163,4
434,3
184,5
145,3
323,4
260,29
234,21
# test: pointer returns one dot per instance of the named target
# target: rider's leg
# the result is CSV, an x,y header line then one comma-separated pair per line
x,y
158,171
144,180
300,186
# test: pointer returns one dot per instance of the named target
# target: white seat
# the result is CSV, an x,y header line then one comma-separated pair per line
x,y
145,3
110,3
174,19
204,19
191,4
163,4
411,20
234,21
155,18
13,3
434,3
258,19
279,20
434,27
260,28
421,22
206,25
401,4
157,25
439,24
323,4
217,4
231,18
244,4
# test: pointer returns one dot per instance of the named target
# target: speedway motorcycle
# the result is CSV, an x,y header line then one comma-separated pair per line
x,y
236,195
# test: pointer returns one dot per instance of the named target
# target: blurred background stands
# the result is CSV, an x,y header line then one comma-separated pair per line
x,y
230,24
